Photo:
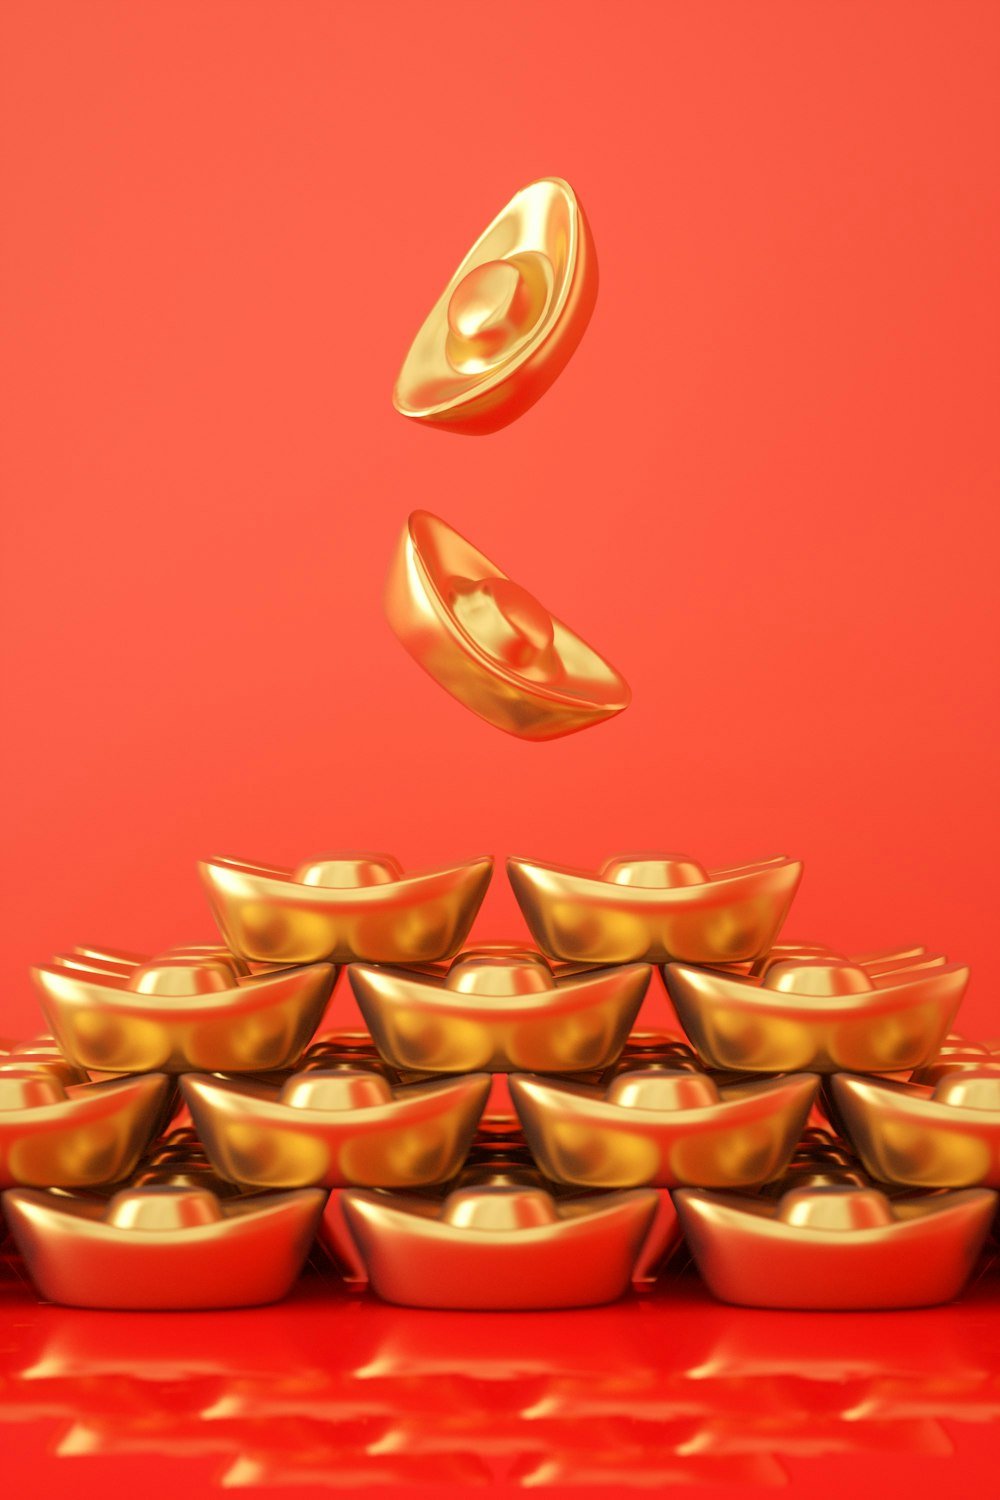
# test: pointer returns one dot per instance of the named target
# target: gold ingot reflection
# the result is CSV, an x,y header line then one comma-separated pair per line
x,y
655,908
344,908
835,1247
163,1247
663,1128
508,1015
198,1011
945,1137
819,1014
337,1128
490,643
509,318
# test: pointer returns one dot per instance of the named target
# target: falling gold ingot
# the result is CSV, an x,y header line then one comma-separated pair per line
x,y
652,908
508,320
500,1247
490,643
95,1134
187,1011
163,1247
663,1128
345,907
835,1247
945,1137
337,1128
498,1012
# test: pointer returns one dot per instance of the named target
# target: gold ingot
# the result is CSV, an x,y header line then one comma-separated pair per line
x,y
663,1128
163,1247
197,1011
490,643
956,1053
821,1014
508,320
945,1137
654,908
495,1012
835,1247
345,907
500,1247
95,1134
336,1128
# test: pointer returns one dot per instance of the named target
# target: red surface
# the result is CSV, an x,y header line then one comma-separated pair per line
x,y
766,485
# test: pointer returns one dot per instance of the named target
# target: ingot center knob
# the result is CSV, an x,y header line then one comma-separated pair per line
x,y
970,1088
500,973
344,872
507,622
346,1089
492,309
654,872
163,1209
820,976
181,976
662,1089
841,1208
506,1208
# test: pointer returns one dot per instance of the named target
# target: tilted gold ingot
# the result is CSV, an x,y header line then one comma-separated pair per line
x,y
819,1015
499,1012
51,1138
663,1128
345,907
945,1137
490,643
835,1247
337,1128
508,320
500,1247
163,1247
187,1011
654,908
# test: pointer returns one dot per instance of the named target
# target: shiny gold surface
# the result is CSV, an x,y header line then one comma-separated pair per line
x,y
336,1128
654,908
163,1247
498,1013
183,1012
945,1137
91,1134
40,1055
509,318
345,908
835,1247
955,1054
499,1247
822,1014
490,643
663,1128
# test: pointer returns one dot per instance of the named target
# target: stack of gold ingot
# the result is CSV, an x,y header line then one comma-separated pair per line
x,y
501,1137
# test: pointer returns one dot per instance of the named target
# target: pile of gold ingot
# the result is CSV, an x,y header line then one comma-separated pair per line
x,y
501,1136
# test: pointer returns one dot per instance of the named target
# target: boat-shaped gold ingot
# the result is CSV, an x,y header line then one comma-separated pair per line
x,y
500,1247
345,908
817,1015
92,1134
490,643
835,1247
663,1128
339,1128
163,1247
509,318
184,1012
945,1137
655,908
497,1013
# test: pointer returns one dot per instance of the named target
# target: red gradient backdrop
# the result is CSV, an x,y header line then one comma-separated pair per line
x,y
766,485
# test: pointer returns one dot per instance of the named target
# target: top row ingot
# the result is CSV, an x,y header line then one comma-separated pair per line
x,y
508,320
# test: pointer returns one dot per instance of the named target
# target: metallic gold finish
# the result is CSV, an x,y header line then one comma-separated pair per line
x,y
40,1054
508,320
163,1247
343,908
182,1012
835,1247
653,908
663,1128
53,1138
955,1055
823,1014
499,1013
340,1128
945,1137
490,643
500,1247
